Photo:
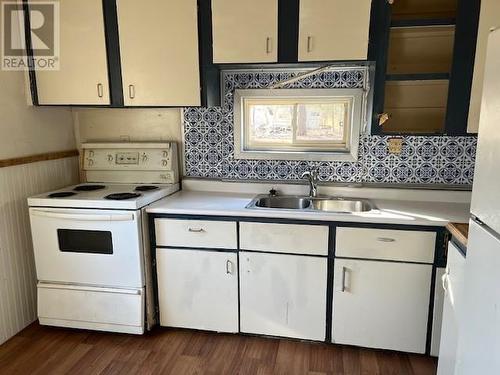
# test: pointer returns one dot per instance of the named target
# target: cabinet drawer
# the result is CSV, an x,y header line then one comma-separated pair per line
x,y
284,238
399,245
196,233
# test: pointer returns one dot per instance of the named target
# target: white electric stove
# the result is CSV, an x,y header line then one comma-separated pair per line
x,y
91,240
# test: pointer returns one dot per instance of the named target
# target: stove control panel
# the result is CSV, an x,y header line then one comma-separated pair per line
x,y
132,162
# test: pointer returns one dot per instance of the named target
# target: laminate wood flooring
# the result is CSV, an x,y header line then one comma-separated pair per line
x,y
49,350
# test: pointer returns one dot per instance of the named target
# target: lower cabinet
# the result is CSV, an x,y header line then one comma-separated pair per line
x,y
283,295
381,304
198,289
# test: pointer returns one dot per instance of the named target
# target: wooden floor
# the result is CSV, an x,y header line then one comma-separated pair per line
x,y
44,350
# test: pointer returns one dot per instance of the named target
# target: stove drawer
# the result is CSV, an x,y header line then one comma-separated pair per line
x,y
109,309
196,233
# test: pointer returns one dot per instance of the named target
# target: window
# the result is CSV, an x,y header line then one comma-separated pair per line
x,y
298,124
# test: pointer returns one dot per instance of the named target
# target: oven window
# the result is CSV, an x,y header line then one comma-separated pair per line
x,y
85,241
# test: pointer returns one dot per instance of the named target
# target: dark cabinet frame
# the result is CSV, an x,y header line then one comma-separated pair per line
x,y
462,69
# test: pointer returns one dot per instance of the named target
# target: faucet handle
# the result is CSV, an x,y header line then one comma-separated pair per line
x,y
273,192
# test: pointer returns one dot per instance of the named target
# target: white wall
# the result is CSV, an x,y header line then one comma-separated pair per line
x,y
27,130
127,124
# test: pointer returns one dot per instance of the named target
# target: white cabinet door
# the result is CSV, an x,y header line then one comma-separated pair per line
x,y
452,285
334,29
437,315
381,304
83,74
198,289
283,295
245,31
159,52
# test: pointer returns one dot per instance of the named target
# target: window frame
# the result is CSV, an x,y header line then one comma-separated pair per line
x,y
357,100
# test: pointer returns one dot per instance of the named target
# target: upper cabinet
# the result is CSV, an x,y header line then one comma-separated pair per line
x,y
159,52
245,31
424,53
333,30
127,53
82,78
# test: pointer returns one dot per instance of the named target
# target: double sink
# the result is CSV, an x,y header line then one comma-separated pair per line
x,y
306,203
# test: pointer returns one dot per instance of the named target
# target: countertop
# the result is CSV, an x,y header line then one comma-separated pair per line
x,y
189,202
460,232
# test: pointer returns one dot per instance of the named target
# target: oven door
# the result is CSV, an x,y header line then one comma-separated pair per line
x,y
93,247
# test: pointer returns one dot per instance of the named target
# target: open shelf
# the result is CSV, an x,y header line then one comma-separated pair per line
x,y
417,76
423,22
416,106
424,9
414,50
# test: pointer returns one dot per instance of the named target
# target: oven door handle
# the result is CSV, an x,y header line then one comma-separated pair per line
x,y
83,217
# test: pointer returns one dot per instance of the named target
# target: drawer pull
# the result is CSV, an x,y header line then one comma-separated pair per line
x,y
100,90
196,230
385,239
131,91
444,281
229,267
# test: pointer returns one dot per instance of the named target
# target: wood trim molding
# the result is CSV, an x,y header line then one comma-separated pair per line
x,y
39,157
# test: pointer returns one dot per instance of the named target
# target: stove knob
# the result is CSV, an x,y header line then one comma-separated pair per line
x,y
144,158
164,163
165,154
91,162
110,158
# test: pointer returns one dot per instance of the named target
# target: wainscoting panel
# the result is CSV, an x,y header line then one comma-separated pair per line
x,y
17,267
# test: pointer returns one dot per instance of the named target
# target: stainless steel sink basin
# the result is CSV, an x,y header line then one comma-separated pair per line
x,y
304,203
283,201
342,205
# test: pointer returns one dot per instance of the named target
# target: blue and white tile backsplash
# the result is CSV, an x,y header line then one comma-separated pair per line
x,y
209,144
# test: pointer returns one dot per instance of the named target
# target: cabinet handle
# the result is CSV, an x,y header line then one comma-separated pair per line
x,y
229,267
268,45
131,91
196,230
344,272
309,43
100,91
385,239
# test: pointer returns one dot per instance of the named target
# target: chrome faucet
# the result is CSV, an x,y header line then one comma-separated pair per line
x,y
312,178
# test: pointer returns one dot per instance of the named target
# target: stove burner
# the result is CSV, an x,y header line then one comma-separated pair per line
x,y
146,188
122,196
89,187
62,194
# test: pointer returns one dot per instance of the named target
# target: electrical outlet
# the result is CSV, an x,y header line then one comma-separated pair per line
x,y
395,145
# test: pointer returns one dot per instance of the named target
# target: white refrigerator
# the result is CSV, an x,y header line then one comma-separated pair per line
x,y
479,336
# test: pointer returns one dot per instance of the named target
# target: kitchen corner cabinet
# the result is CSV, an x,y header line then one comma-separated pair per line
x,y
245,31
83,75
333,30
198,289
283,295
381,304
159,52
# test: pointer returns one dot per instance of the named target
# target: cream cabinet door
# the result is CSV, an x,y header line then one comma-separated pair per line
x,y
198,289
381,305
245,31
334,29
283,295
82,78
159,52
489,19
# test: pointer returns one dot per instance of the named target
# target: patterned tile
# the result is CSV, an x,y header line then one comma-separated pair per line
x,y
209,148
